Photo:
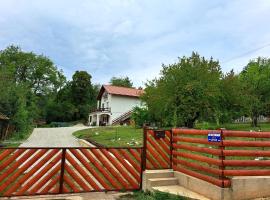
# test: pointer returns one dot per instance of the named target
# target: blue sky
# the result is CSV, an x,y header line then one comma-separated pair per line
x,y
134,37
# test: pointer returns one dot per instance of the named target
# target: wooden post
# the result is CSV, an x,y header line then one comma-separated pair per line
x,y
144,148
62,171
142,168
174,156
222,157
143,155
171,148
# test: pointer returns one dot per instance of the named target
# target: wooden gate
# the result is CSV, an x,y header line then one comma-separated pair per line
x,y
32,171
158,149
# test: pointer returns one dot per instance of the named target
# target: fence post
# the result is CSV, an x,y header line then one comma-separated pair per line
x,y
222,157
144,148
62,171
143,156
171,148
174,157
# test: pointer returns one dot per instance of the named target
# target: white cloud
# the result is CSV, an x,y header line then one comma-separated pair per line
x,y
129,37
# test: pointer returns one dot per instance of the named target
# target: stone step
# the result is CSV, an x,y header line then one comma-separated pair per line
x,y
154,182
166,173
179,190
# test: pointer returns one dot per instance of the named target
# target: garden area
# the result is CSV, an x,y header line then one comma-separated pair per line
x,y
128,136
117,136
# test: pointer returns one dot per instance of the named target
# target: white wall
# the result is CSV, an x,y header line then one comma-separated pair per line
x,y
122,104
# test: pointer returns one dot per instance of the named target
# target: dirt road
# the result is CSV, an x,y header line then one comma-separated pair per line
x,y
53,137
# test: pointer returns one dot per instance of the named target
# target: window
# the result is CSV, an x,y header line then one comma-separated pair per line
x,y
105,95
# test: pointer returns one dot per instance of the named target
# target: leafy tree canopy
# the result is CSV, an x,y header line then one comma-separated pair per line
x,y
255,79
185,91
37,72
27,80
121,81
75,100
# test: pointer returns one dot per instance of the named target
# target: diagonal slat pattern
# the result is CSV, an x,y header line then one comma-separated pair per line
x,y
26,171
158,151
101,169
36,171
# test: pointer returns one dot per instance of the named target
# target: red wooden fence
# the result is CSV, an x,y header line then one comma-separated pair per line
x,y
31,171
157,150
216,162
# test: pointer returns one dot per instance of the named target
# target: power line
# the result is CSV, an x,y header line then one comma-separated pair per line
x,y
246,53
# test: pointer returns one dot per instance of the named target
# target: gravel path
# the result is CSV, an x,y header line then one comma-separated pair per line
x,y
53,137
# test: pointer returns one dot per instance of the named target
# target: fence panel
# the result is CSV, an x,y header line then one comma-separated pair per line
x,y
102,169
36,171
247,153
239,153
198,157
29,171
158,149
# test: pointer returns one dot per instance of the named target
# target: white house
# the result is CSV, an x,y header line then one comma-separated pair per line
x,y
114,105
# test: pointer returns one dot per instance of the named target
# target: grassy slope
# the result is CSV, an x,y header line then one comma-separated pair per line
x,y
17,138
124,136
129,136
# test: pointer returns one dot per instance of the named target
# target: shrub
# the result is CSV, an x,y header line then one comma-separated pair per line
x,y
140,116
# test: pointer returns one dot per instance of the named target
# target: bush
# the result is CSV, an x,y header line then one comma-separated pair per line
x,y
151,196
59,124
140,116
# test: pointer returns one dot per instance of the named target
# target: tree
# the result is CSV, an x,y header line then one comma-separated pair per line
x,y
231,103
140,115
36,71
83,95
255,79
26,82
121,81
75,100
60,108
185,92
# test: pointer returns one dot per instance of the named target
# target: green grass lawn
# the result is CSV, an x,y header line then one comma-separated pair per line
x,y
232,126
126,136
17,138
11,144
118,136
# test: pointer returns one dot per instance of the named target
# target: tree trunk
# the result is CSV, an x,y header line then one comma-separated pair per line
x,y
191,122
254,121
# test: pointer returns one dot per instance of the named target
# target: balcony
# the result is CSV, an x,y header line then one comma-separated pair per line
x,y
102,110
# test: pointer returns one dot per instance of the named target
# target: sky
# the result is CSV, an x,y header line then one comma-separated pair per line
x,y
135,37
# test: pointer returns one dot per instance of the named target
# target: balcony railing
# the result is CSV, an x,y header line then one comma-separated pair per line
x,y
102,110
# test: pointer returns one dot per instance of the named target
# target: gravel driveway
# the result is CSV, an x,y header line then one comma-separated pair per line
x,y
53,137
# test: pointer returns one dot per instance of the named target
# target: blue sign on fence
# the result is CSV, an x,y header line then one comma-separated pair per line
x,y
214,137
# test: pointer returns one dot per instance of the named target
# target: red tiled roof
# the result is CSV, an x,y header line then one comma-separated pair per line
x,y
123,91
